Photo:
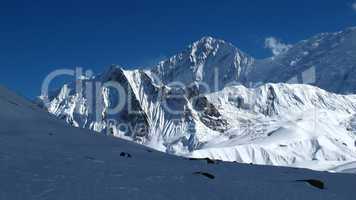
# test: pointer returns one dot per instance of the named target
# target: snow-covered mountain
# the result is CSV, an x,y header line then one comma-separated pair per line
x,y
210,114
145,116
43,158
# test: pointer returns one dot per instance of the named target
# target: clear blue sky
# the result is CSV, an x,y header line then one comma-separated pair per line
x,y
39,36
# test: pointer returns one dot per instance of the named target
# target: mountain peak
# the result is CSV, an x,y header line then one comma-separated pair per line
x,y
201,61
210,43
208,40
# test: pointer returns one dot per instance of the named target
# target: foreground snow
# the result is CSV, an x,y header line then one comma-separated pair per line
x,y
42,158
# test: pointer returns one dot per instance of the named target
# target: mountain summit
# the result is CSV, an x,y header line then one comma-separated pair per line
x,y
211,61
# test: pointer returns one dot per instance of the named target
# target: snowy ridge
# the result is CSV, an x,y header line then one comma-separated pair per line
x,y
326,60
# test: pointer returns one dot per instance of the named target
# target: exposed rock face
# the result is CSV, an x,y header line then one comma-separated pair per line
x,y
132,113
270,102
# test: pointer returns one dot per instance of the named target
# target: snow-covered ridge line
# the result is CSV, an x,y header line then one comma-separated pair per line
x,y
281,96
326,60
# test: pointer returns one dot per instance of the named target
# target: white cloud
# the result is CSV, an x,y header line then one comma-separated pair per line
x,y
354,6
276,46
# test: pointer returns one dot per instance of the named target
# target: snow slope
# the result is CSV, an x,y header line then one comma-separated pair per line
x,y
42,158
